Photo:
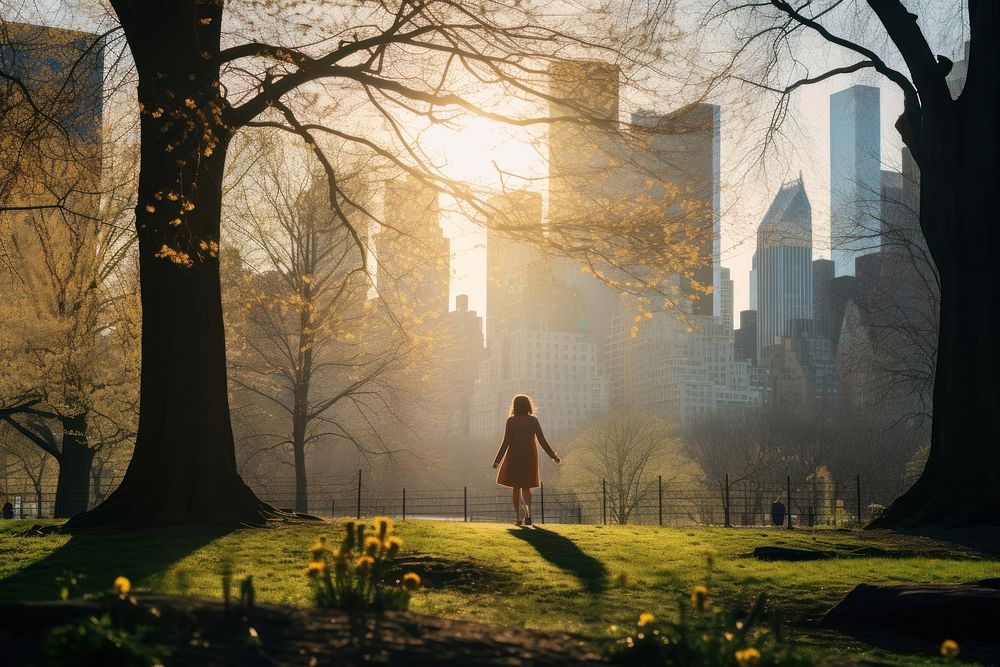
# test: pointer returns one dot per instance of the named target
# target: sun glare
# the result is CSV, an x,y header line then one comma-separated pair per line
x,y
483,152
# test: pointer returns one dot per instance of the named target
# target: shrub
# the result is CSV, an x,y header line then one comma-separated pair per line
x,y
116,638
705,635
353,576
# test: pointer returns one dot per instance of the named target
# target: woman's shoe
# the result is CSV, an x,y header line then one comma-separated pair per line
x,y
517,523
527,521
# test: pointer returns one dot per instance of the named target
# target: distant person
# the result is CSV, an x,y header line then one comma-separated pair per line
x,y
8,510
518,456
778,512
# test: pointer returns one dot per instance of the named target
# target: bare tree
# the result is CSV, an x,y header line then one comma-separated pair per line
x,y
302,322
628,451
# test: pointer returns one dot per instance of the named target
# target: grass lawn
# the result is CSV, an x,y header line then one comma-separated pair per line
x,y
563,577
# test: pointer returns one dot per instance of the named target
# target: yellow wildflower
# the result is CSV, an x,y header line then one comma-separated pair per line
x,y
699,596
372,545
383,526
411,581
646,618
393,545
364,562
318,548
949,648
748,656
122,585
315,568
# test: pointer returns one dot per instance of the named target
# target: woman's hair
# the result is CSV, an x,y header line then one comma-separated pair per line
x,y
521,405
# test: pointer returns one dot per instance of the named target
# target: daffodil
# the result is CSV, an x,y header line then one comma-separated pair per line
x,y
949,648
393,545
699,596
122,585
411,581
747,657
383,526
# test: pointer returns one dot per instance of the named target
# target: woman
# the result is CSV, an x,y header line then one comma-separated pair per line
x,y
519,455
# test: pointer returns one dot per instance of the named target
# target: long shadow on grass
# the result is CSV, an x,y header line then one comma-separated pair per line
x,y
100,558
564,554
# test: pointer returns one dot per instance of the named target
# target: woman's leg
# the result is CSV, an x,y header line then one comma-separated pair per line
x,y
526,496
517,503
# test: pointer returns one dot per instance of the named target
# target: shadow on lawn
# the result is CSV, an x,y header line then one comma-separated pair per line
x,y
137,555
564,554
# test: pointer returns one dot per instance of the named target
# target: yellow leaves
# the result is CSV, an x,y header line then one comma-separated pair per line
x,y
211,247
173,196
188,205
176,222
205,21
150,208
190,103
157,112
176,256
208,151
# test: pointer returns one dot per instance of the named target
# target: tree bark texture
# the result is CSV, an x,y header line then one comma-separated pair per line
x,y
183,469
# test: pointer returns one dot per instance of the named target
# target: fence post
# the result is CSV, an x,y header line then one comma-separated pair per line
x,y
858,480
404,503
333,507
541,493
726,513
788,498
359,493
604,502
579,512
659,492
465,503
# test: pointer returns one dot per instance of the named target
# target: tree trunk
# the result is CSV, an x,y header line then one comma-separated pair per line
x,y
960,485
73,485
183,469
299,454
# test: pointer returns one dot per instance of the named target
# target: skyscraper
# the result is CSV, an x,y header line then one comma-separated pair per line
x,y
725,298
855,182
784,263
512,262
413,276
753,282
823,274
663,173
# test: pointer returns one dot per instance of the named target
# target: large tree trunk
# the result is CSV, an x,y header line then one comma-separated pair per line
x,y
183,469
960,484
73,485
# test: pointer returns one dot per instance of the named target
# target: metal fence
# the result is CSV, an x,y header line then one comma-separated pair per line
x,y
747,501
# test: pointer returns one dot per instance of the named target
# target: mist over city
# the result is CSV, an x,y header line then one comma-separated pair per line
x,y
660,332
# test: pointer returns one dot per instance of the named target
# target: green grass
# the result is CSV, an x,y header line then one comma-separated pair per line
x,y
560,577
